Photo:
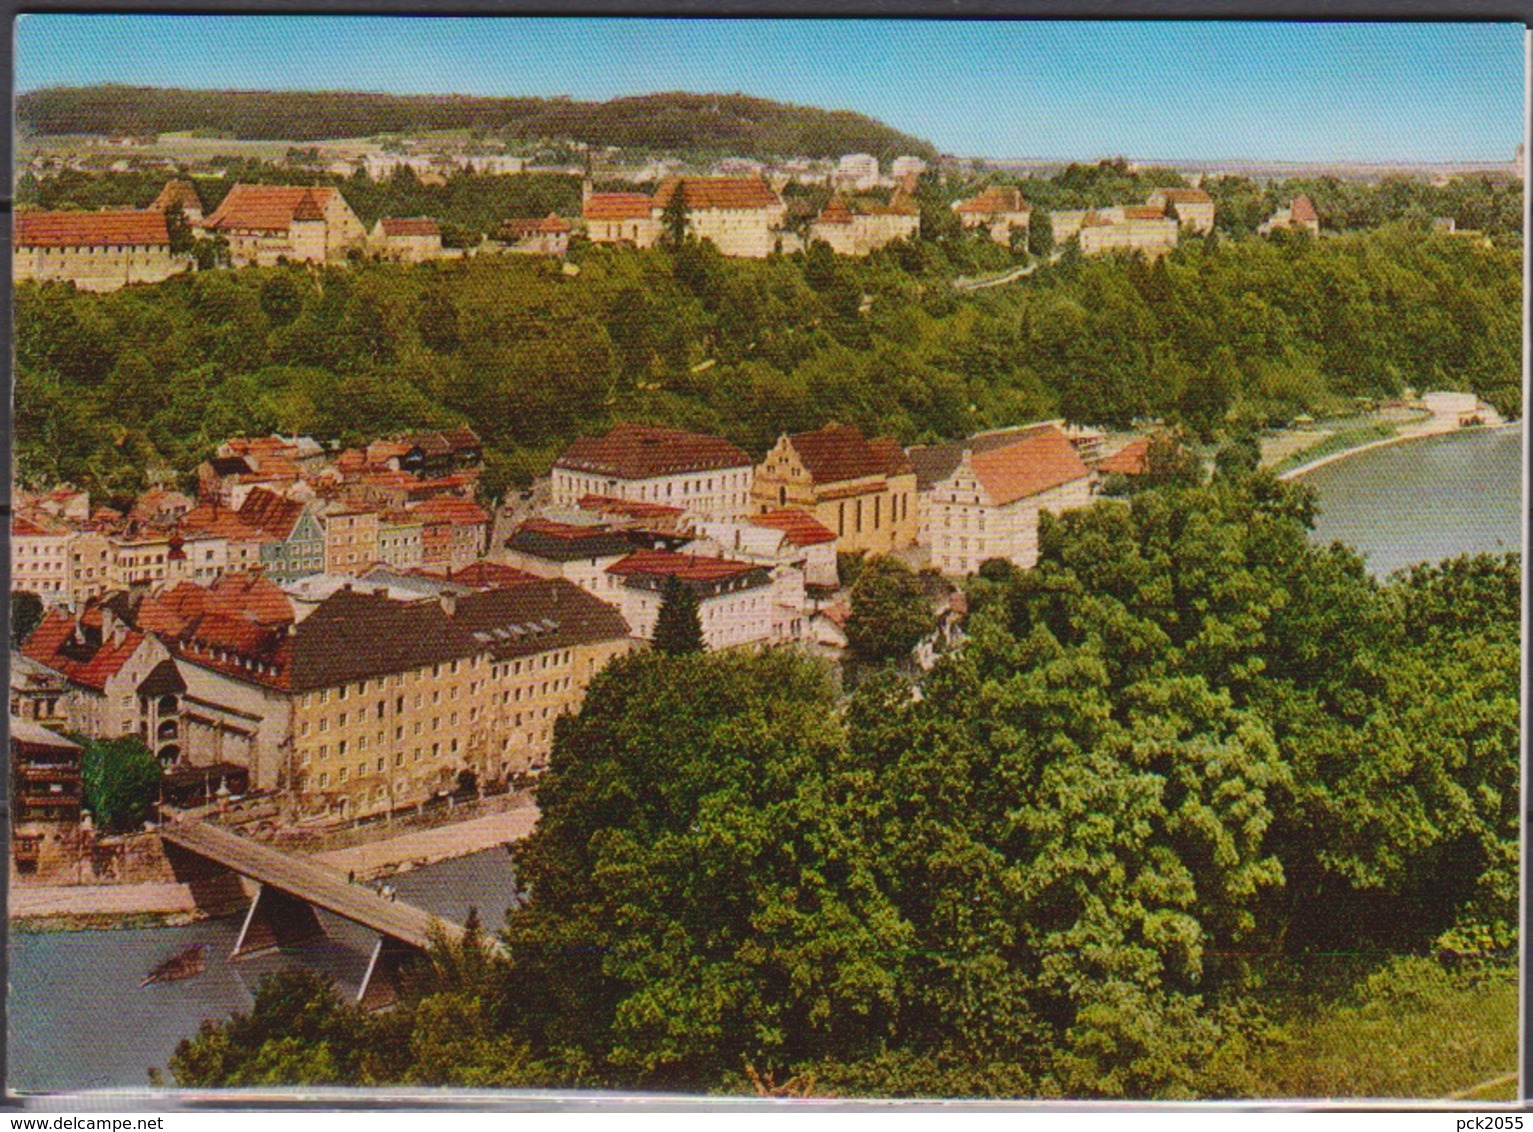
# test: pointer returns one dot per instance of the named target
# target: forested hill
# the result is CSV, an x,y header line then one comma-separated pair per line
x,y
734,123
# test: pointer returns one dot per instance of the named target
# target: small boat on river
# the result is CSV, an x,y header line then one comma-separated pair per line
x,y
183,965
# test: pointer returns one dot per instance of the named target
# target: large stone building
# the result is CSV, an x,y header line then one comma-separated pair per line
x,y
619,218
265,224
1135,228
863,490
982,498
1000,211
406,239
741,216
705,475
736,600
855,228
1191,208
96,251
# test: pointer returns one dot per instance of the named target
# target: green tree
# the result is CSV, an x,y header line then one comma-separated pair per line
x,y
679,626
26,614
674,221
121,782
891,612
1040,234
182,239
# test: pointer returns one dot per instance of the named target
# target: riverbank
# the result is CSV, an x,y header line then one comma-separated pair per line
x,y
1423,431
93,907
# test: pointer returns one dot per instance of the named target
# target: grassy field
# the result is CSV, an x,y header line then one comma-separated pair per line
x,y
1332,443
1410,1028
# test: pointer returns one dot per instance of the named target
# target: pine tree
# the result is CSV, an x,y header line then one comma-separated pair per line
x,y
679,628
674,218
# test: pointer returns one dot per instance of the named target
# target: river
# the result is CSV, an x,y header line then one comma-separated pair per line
x,y
79,1020
1424,500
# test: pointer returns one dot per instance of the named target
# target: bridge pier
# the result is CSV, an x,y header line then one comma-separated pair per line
x,y
275,919
380,986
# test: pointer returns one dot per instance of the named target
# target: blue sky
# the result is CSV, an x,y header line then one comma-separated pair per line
x,y
1185,91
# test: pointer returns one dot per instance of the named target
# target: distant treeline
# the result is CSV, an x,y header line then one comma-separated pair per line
x,y
677,122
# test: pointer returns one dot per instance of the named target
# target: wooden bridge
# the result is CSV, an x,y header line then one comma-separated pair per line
x,y
208,858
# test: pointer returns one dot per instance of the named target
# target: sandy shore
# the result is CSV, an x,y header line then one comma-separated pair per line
x,y
1420,432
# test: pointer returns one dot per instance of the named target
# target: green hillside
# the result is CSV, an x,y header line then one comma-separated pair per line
x,y
673,122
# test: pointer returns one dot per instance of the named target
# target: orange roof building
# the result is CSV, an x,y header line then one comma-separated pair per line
x,y
265,224
705,475
96,251
989,504
863,490
856,228
407,239
182,194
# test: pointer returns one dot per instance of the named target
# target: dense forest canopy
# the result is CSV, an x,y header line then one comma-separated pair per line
x,y
727,124
1188,751
1224,333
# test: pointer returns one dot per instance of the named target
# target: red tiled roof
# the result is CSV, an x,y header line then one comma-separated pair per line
x,y
116,228
636,452
90,664
836,212
719,193
683,567
802,528
177,192
840,452
220,522
1129,460
269,208
450,509
1303,211
617,206
551,225
1185,196
491,575
409,226
1144,212
271,513
36,526
992,202
1034,464
632,508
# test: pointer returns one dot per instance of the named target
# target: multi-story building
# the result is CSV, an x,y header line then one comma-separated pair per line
x,y
399,540
295,537
619,218
704,475
105,662
579,553
96,251
1191,208
40,547
987,502
351,539
741,216
407,239
855,228
453,532
863,490
736,600
1134,229
907,167
1000,211
265,224
38,692
46,782
857,170
450,684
